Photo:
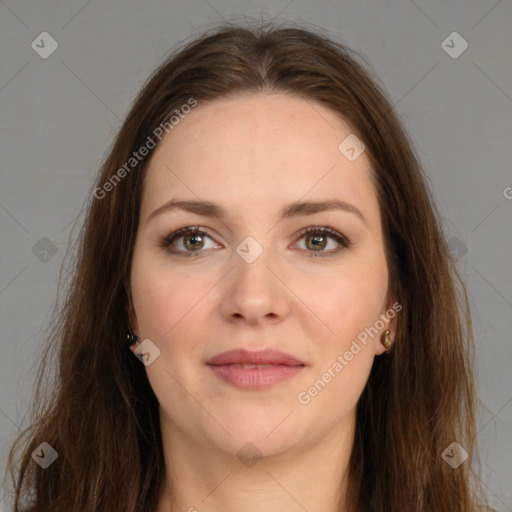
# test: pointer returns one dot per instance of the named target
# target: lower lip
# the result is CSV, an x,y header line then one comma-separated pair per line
x,y
255,378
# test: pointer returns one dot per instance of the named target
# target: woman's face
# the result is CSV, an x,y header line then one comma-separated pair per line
x,y
251,280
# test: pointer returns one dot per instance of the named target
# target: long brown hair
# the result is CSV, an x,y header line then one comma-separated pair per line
x,y
101,415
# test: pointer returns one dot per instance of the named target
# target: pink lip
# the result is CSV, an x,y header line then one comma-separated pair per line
x,y
267,356
284,367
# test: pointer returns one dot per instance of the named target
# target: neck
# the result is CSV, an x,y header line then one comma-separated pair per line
x,y
203,478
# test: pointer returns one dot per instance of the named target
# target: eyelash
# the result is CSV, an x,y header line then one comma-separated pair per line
x,y
168,240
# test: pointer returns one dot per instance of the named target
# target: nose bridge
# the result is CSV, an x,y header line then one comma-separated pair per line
x,y
252,262
254,289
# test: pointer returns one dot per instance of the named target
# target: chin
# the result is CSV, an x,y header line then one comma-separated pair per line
x,y
270,433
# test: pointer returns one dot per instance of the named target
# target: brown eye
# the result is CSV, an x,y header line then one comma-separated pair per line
x,y
317,239
193,242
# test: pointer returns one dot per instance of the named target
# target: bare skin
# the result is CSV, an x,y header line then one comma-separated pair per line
x,y
253,156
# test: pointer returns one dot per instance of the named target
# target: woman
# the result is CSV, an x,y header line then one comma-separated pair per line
x,y
262,239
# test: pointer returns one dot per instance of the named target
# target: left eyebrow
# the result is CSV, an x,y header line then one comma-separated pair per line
x,y
296,209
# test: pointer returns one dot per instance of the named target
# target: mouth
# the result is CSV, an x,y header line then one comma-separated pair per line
x,y
248,370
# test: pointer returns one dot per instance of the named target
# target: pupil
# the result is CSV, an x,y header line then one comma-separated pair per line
x,y
194,237
316,243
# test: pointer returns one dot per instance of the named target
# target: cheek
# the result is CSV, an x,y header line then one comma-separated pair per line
x,y
158,296
155,297
336,393
345,302
344,354
350,304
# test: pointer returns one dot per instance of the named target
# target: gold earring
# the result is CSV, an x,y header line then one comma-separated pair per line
x,y
385,338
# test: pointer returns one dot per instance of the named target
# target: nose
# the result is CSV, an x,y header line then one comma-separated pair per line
x,y
254,292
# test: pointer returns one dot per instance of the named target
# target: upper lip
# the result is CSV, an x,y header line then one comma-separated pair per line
x,y
242,356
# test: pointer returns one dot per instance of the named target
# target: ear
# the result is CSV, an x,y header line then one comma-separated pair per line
x,y
131,316
389,319
132,322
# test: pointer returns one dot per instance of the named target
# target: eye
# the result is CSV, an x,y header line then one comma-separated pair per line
x,y
317,237
193,243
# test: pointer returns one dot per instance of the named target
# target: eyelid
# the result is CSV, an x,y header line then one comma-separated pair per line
x,y
328,231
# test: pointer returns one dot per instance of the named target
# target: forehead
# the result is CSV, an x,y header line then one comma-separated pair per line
x,y
258,151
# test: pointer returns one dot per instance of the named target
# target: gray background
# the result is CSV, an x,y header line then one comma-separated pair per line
x,y
59,116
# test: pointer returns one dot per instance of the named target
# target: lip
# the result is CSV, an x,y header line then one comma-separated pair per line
x,y
242,356
283,367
